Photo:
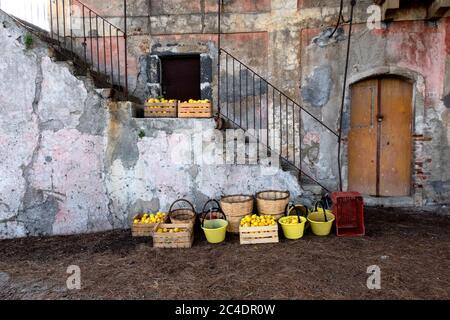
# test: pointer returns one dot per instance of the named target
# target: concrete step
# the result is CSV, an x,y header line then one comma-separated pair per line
x,y
105,92
313,189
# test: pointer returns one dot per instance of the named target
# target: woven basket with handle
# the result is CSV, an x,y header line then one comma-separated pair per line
x,y
182,215
235,208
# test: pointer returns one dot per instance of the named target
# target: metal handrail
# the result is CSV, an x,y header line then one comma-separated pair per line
x,y
97,47
252,102
293,165
281,92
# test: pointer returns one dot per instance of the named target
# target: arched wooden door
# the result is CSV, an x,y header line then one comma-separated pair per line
x,y
380,137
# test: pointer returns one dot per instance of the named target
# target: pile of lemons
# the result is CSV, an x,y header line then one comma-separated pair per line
x,y
257,221
291,220
162,100
196,101
168,230
150,218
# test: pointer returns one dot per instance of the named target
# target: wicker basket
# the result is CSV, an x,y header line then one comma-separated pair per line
x,y
183,239
235,208
182,215
272,203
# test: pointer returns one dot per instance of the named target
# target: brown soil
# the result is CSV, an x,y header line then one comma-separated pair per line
x,y
412,250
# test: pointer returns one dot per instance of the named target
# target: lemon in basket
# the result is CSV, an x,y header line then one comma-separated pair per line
x,y
169,230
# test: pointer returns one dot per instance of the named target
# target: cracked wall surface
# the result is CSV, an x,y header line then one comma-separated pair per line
x,y
72,162
288,42
413,50
172,162
51,146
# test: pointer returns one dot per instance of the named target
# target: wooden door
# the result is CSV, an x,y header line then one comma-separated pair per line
x,y
362,139
181,77
380,141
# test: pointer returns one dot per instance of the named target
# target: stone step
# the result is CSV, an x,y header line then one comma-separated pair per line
x,y
105,92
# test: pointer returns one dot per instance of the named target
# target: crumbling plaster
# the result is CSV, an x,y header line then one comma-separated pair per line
x,y
73,162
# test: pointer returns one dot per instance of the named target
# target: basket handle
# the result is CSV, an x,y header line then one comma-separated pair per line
x,y
326,200
303,209
181,200
218,208
323,208
288,208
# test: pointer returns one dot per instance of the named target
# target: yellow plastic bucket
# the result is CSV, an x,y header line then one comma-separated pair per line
x,y
292,231
317,220
215,230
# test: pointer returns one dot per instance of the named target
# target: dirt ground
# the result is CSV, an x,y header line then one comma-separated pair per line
x,y
412,250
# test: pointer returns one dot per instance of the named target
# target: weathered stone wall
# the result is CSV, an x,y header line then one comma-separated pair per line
x,y
176,158
414,50
287,42
74,162
51,150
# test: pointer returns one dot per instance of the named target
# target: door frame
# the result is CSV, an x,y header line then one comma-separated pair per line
x,y
206,70
418,110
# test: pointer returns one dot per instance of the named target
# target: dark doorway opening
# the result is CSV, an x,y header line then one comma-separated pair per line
x,y
181,77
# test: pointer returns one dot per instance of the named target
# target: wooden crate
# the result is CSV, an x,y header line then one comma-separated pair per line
x,y
182,239
144,229
160,110
266,234
194,110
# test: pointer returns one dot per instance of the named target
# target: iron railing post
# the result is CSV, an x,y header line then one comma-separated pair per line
x,y
51,19
111,56
84,35
64,21
219,13
71,29
57,20
126,46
